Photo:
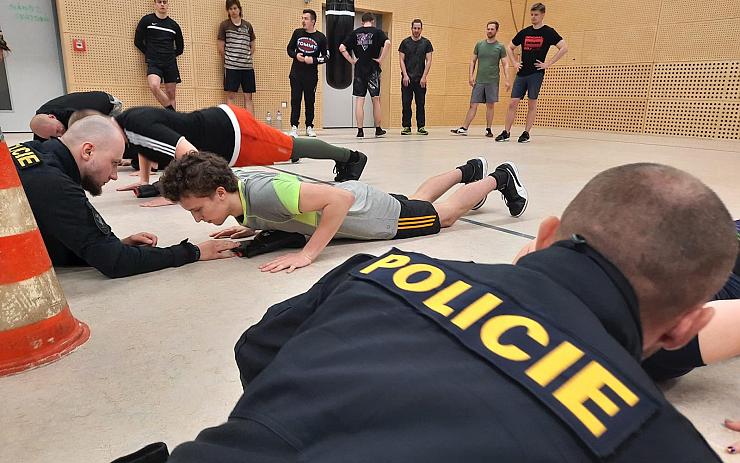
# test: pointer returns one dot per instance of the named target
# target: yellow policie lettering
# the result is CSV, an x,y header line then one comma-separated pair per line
x,y
24,156
585,385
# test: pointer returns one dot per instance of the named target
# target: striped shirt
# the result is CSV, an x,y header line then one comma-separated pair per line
x,y
237,44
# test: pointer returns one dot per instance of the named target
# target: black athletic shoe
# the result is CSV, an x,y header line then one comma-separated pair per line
x,y
379,132
480,170
524,137
360,133
489,134
460,131
350,170
514,193
503,136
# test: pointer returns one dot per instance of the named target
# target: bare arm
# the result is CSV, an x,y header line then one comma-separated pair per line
x,y
345,53
505,64
404,73
386,47
512,59
562,50
471,71
333,203
427,68
221,47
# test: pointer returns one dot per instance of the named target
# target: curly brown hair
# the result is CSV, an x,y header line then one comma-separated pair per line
x,y
197,174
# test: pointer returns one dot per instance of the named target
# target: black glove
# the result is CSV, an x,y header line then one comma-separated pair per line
x,y
152,453
268,241
147,191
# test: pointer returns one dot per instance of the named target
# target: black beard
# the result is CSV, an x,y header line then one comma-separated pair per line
x,y
89,186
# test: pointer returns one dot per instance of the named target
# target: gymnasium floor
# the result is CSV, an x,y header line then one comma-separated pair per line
x,y
159,365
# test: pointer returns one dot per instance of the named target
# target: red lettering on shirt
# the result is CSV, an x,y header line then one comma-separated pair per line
x,y
533,42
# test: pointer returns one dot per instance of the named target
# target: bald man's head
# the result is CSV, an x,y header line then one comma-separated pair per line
x,y
97,144
669,234
47,126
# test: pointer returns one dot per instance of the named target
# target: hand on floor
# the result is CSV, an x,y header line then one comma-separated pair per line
x,y
735,426
141,239
131,187
157,202
210,250
234,232
287,262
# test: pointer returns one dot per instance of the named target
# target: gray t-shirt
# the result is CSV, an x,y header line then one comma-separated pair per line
x,y
270,202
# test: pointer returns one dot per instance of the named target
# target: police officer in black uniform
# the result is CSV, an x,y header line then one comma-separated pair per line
x,y
52,119
55,175
405,358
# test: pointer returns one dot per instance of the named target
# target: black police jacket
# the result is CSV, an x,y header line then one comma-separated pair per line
x,y
404,358
73,231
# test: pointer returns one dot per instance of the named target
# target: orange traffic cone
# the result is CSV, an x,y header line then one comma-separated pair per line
x,y
36,326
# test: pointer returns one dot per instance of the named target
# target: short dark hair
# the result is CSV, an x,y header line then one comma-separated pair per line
x,y
667,232
538,7
492,22
368,17
311,12
230,3
197,174
417,21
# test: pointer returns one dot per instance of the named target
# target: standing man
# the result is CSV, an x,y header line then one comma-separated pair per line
x,y
369,45
159,37
308,48
487,54
236,42
415,56
535,41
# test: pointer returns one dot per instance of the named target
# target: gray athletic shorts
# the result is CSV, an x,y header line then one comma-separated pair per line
x,y
484,93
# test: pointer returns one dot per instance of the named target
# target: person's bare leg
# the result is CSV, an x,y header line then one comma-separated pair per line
x,y
231,98
360,111
511,115
470,115
154,82
463,200
249,102
377,111
436,186
720,339
489,115
531,114
171,90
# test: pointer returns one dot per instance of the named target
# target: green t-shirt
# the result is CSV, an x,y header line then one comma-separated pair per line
x,y
489,55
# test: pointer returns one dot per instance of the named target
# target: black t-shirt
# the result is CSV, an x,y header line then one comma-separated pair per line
x,y
366,43
415,54
311,44
63,106
535,45
156,131
160,40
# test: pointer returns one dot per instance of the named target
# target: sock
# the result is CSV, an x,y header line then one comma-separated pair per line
x,y
354,156
169,107
502,178
467,172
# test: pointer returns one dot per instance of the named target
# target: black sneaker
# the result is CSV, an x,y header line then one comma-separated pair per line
x,y
350,170
360,133
489,134
503,136
524,137
379,132
480,170
514,193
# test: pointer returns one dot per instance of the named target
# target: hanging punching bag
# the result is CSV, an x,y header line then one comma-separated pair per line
x,y
340,21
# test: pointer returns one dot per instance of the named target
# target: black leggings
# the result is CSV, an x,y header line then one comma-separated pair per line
x,y
666,364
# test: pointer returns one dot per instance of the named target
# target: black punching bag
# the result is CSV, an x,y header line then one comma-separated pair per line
x,y
340,21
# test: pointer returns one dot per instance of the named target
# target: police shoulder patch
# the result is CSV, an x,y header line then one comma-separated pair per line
x,y
24,156
98,219
601,405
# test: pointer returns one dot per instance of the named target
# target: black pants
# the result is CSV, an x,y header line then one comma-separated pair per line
x,y
413,91
302,86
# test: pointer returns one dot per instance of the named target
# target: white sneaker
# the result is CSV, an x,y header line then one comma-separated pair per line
x,y
310,132
294,131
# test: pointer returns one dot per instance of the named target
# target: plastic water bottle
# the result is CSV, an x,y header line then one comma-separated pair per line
x,y
269,118
279,120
